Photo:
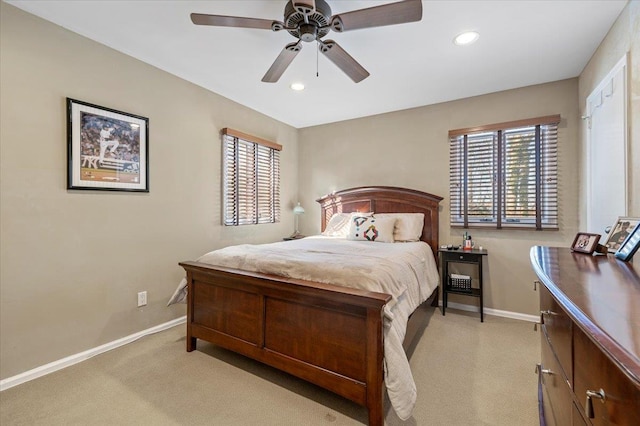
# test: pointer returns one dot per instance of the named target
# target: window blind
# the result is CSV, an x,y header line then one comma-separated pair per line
x,y
505,175
251,179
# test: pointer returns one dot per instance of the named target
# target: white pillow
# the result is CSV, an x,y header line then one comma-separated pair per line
x,y
408,225
339,223
371,228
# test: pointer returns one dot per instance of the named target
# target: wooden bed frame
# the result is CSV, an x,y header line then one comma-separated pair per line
x,y
329,335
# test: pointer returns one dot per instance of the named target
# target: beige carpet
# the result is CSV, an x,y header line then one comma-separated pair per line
x,y
467,373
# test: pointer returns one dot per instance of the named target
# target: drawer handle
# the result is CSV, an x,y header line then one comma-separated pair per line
x,y
588,406
547,312
540,370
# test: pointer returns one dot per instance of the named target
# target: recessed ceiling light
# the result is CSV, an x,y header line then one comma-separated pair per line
x,y
297,86
466,38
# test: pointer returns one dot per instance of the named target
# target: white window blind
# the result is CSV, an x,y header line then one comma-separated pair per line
x,y
251,179
505,175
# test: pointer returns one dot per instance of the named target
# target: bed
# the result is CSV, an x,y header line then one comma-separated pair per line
x,y
327,334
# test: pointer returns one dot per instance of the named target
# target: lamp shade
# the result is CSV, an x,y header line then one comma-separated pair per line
x,y
298,209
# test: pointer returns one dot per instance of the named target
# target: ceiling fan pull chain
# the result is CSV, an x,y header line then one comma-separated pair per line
x,y
317,65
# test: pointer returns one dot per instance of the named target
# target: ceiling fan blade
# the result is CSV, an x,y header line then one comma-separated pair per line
x,y
343,60
282,62
232,21
378,16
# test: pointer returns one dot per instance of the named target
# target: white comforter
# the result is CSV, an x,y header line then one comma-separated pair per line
x,y
406,271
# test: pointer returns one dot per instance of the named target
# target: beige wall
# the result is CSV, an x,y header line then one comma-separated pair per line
x,y
623,37
73,261
410,149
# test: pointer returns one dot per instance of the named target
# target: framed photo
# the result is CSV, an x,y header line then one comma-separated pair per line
x,y
619,232
585,243
630,245
107,149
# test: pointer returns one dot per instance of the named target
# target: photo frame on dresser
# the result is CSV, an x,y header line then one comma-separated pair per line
x,y
630,245
585,243
107,149
619,232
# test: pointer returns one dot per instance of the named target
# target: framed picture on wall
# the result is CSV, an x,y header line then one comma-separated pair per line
x,y
106,149
630,245
585,243
619,232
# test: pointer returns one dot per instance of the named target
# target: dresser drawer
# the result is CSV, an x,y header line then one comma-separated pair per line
x,y
557,401
594,371
557,327
578,419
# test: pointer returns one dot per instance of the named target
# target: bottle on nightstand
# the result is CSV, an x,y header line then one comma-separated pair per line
x,y
468,243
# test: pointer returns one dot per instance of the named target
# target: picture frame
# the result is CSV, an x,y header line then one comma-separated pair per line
x,y
107,150
585,242
630,245
619,231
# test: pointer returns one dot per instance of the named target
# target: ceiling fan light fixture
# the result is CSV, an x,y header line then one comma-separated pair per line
x,y
297,87
466,38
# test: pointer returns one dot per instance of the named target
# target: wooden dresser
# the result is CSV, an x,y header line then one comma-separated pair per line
x,y
590,315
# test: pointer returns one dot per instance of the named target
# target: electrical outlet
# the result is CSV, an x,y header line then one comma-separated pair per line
x,y
142,298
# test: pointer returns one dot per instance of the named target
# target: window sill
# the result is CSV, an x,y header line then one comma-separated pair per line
x,y
504,227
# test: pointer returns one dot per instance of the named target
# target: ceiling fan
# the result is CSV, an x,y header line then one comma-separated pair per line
x,y
311,20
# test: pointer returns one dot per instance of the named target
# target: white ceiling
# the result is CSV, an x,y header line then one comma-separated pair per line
x,y
521,43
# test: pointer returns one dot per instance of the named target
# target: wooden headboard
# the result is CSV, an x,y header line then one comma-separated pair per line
x,y
385,199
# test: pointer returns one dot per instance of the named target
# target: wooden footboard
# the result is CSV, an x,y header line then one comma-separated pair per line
x,y
328,335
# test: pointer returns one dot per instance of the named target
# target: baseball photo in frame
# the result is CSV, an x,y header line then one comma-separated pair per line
x,y
619,232
107,149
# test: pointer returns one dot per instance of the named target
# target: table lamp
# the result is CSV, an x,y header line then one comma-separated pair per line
x,y
297,211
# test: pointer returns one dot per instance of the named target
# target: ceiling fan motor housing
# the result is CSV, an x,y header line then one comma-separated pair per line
x,y
295,20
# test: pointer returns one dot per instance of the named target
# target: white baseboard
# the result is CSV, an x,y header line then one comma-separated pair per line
x,y
82,356
491,311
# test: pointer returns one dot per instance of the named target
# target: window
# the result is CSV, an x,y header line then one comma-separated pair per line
x,y
251,179
505,175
